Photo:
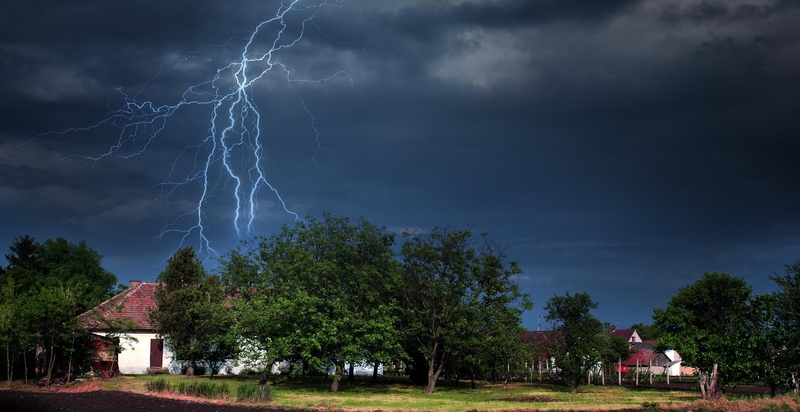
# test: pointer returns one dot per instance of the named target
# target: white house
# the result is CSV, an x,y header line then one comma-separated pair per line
x,y
141,349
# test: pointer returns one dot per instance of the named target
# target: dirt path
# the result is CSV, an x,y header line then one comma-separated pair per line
x,y
108,401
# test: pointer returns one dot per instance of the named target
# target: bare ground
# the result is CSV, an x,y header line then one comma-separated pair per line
x,y
109,401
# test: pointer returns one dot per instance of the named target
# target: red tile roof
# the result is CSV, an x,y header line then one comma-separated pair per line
x,y
132,303
644,357
623,333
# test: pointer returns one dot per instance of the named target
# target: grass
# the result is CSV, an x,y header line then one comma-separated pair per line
x,y
195,387
250,392
398,394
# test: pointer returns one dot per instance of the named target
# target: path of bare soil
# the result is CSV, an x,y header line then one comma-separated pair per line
x,y
108,401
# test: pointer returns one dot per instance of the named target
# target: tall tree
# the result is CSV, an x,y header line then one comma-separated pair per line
x,y
579,342
51,284
316,292
705,322
769,349
787,318
457,297
190,312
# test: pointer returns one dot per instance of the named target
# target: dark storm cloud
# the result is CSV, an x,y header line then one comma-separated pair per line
x,y
612,145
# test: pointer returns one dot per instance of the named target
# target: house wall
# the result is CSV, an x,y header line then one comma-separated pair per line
x,y
134,359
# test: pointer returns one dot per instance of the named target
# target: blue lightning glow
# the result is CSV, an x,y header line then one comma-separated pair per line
x,y
233,143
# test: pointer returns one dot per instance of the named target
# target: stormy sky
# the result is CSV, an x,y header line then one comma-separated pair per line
x,y
618,147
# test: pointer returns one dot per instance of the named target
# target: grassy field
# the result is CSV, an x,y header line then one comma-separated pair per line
x,y
398,395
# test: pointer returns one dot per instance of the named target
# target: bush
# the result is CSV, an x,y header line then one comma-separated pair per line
x,y
158,385
203,389
250,392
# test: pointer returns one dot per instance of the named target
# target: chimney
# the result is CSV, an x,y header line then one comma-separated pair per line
x,y
613,328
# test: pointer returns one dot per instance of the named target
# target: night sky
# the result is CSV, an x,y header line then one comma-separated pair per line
x,y
618,147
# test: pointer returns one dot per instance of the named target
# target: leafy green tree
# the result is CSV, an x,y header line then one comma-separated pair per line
x,y
78,265
768,343
190,313
787,319
318,292
706,323
579,340
48,285
9,322
51,315
458,298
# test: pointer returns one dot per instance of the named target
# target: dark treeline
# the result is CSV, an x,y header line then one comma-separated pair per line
x,y
42,291
329,292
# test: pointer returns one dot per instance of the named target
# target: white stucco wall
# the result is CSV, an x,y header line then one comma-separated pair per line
x,y
135,356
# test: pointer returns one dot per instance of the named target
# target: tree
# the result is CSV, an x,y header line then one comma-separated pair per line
x,y
787,319
579,341
772,357
705,322
457,297
190,313
47,285
318,292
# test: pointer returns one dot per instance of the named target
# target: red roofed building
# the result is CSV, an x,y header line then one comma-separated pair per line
x,y
630,335
142,350
644,355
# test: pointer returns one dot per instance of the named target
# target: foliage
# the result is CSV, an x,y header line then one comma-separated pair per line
x,y
579,341
249,392
43,289
459,301
705,322
320,292
191,314
785,324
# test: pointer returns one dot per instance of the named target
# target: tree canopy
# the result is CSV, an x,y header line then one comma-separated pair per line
x,y
705,322
458,298
579,342
190,313
321,292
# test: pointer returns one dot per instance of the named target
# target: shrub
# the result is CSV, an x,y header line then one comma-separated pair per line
x,y
158,385
203,389
250,392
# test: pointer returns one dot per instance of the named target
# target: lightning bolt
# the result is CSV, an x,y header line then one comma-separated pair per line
x,y
233,145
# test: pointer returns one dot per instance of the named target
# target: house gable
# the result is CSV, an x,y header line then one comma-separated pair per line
x,y
132,304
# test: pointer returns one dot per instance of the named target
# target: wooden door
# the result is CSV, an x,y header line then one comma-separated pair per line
x,y
156,352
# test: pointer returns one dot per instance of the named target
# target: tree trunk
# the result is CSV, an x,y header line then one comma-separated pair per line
x,y
351,374
703,379
52,360
69,364
433,374
8,362
190,369
40,363
375,371
714,390
337,376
